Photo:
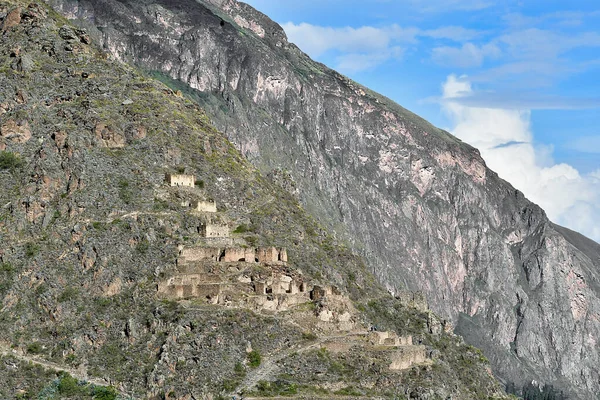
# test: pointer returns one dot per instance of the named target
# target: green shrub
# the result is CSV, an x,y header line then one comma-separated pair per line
x,y
68,294
68,386
239,369
31,250
34,348
277,388
104,393
254,358
9,160
7,268
241,229
309,336
125,192
143,246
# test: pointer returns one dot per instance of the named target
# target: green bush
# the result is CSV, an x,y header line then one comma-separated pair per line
x,y
31,250
104,393
34,348
7,268
9,160
241,229
143,246
68,294
277,388
254,358
68,386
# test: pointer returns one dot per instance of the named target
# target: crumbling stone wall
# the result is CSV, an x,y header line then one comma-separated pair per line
x,y
193,254
206,206
215,231
272,255
406,356
237,254
181,180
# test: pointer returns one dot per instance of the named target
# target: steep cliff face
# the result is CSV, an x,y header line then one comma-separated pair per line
x,y
418,203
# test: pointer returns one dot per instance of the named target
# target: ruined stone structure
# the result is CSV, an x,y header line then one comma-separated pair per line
x,y
272,255
214,231
209,206
191,286
181,180
233,254
321,292
406,356
196,254
389,339
240,254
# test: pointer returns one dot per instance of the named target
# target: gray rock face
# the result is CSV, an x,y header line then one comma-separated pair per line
x,y
419,204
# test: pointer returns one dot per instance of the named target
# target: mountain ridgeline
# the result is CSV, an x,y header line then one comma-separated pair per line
x,y
418,204
89,223
143,257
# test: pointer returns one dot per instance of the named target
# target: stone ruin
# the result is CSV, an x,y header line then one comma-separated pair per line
x,y
209,206
389,339
204,206
181,180
406,356
212,230
263,255
256,277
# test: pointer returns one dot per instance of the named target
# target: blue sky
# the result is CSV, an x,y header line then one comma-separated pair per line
x,y
520,80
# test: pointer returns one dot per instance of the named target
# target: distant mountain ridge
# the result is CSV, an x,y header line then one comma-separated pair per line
x,y
420,205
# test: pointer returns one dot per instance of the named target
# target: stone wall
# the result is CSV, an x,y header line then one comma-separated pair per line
x,y
240,254
194,254
389,339
181,180
272,255
405,357
215,231
206,206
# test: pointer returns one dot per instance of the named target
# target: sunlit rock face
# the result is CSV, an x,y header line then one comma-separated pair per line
x,y
420,205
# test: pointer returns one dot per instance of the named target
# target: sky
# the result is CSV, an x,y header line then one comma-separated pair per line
x,y
518,79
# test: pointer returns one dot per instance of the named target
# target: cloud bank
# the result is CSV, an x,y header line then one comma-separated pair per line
x,y
506,143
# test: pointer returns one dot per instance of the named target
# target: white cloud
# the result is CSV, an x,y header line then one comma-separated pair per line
x,y
467,56
367,46
455,33
505,140
355,62
316,40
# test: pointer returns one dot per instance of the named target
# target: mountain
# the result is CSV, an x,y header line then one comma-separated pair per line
x,y
417,203
142,256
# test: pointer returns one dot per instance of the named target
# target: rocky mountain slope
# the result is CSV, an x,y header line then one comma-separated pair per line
x,y
143,257
421,206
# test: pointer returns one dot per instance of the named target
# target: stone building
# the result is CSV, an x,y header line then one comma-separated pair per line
x,y
209,206
272,255
240,254
195,254
214,231
406,356
181,180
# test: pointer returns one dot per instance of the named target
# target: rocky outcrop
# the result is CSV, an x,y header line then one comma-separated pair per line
x,y
419,204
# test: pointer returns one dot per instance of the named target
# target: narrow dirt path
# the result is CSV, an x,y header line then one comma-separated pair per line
x,y
6,352
269,366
